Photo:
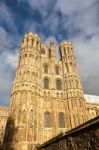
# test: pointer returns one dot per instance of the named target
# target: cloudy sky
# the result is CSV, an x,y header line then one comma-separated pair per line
x,y
73,20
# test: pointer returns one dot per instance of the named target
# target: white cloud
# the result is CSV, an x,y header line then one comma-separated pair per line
x,y
10,58
40,5
6,43
80,21
91,98
31,26
69,7
52,22
8,61
4,39
8,53
7,17
79,16
87,53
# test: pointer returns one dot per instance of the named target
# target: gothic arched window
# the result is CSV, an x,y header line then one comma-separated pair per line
x,y
57,70
46,83
68,49
25,55
64,51
58,84
71,65
28,72
45,68
67,67
61,120
47,119
42,51
72,68
31,55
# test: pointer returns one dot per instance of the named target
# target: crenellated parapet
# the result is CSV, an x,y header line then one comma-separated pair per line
x,y
66,48
31,40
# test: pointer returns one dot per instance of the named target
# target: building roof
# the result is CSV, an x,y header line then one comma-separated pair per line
x,y
92,98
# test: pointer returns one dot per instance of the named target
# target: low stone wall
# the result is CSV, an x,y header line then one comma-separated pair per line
x,y
4,113
83,137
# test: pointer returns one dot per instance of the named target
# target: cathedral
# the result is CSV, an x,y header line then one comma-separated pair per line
x,y
47,97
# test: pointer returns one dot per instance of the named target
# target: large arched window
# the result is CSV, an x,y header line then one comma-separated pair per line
x,y
58,84
64,51
71,66
61,120
46,83
47,119
57,70
32,40
45,68
27,41
25,55
42,51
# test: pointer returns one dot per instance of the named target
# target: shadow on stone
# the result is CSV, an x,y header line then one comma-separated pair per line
x,y
10,132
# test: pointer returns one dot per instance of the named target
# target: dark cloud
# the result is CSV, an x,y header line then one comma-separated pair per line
x,y
91,84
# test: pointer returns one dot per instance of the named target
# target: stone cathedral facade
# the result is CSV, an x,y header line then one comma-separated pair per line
x,y
47,96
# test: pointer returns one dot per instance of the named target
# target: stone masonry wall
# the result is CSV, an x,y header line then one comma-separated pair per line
x,y
84,137
4,113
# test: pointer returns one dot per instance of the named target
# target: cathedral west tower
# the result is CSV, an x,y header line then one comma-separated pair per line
x,y
47,96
